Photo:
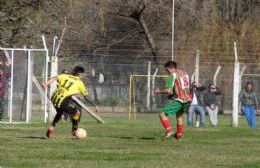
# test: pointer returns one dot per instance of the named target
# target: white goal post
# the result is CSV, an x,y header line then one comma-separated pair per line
x,y
24,100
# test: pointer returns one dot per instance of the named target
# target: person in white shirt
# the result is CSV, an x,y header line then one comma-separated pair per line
x,y
196,105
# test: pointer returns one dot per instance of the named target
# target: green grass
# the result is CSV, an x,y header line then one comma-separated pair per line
x,y
121,143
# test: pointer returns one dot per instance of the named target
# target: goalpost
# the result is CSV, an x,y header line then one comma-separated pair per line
x,y
24,99
140,93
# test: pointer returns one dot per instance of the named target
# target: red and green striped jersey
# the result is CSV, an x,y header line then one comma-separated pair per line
x,y
180,85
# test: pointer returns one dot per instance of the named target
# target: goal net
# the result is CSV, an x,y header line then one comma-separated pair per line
x,y
142,98
22,98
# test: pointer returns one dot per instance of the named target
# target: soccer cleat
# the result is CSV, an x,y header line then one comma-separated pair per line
x,y
177,136
73,133
49,133
169,134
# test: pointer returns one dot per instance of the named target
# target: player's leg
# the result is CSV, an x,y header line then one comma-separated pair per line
x,y
168,110
182,108
54,122
75,120
171,108
166,124
178,133
74,110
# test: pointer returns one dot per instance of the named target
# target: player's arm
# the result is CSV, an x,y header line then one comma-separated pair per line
x,y
163,91
46,84
91,102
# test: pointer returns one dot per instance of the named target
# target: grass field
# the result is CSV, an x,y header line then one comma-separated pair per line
x,y
121,143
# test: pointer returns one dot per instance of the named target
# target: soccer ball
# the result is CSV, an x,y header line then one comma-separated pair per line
x,y
81,133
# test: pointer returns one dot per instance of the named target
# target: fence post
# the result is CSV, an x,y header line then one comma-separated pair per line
x,y
148,85
216,75
236,82
29,86
197,67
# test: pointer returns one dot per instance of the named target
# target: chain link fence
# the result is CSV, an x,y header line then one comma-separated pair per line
x,y
109,84
22,98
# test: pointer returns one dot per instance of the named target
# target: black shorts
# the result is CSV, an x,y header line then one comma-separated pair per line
x,y
68,106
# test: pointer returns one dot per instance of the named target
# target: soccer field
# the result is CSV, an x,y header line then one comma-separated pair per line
x,y
122,143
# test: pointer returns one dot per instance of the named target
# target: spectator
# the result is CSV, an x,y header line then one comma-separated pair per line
x,y
249,104
3,82
210,99
196,105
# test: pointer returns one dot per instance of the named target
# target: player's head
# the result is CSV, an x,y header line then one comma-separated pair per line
x,y
78,70
170,66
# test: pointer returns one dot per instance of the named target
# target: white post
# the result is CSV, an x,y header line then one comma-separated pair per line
x,y
29,87
45,92
153,88
235,90
54,72
216,75
172,30
197,66
10,109
148,86
44,42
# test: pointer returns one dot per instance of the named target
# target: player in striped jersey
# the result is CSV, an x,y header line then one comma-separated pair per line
x,y
67,86
177,87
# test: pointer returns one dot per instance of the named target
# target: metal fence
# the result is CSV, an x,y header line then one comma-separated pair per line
x,y
113,93
108,84
23,99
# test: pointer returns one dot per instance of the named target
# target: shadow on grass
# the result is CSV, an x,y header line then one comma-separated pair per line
x,y
129,137
33,137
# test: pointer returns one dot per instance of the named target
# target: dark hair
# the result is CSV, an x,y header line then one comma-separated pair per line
x,y
211,84
249,83
78,69
170,64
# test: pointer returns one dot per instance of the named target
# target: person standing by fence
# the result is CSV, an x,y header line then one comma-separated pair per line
x,y
248,101
196,105
4,75
210,100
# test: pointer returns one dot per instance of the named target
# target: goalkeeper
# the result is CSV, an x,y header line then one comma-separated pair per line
x,y
68,85
177,87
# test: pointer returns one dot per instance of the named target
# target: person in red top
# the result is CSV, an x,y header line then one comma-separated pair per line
x,y
3,83
178,89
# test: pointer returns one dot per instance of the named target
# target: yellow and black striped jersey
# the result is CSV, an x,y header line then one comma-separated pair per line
x,y
68,85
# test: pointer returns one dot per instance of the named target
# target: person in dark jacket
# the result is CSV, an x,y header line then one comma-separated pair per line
x,y
248,101
210,100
